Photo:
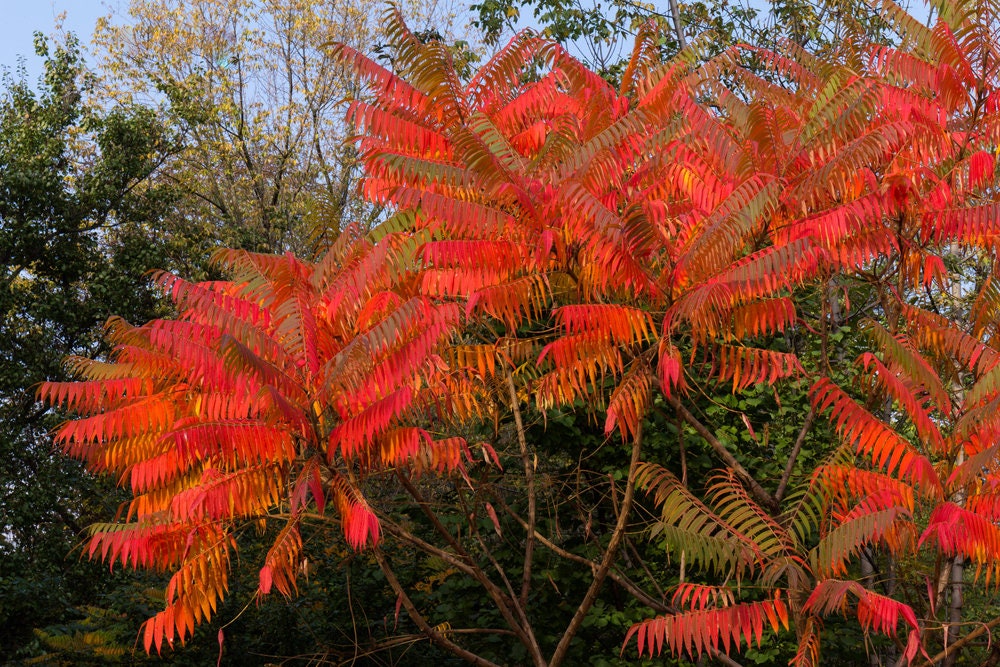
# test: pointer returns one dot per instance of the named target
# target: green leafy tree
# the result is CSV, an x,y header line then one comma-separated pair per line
x,y
601,33
78,228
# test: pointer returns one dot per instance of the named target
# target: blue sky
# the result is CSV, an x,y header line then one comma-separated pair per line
x,y
20,18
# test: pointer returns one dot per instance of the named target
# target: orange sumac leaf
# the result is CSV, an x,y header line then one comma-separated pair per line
x,y
871,437
724,628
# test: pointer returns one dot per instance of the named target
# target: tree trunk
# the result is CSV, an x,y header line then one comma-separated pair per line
x,y
954,609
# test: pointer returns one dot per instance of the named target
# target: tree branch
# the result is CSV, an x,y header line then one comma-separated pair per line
x,y
675,14
799,441
609,555
985,627
620,579
528,640
756,489
529,477
422,623
462,565
431,516
630,586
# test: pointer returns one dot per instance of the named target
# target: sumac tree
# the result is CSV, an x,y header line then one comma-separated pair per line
x,y
561,247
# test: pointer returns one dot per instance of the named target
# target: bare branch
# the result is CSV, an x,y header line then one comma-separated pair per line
x,y
799,441
425,627
529,477
609,556
756,489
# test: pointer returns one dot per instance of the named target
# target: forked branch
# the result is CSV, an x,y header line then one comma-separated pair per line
x,y
796,448
421,622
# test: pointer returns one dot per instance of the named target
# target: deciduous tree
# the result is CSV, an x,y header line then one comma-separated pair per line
x,y
561,247
255,89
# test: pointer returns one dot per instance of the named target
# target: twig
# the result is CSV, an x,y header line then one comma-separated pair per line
x,y
620,579
630,586
471,569
528,636
529,477
682,448
756,489
645,568
799,441
425,627
431,516
609,555
985,627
